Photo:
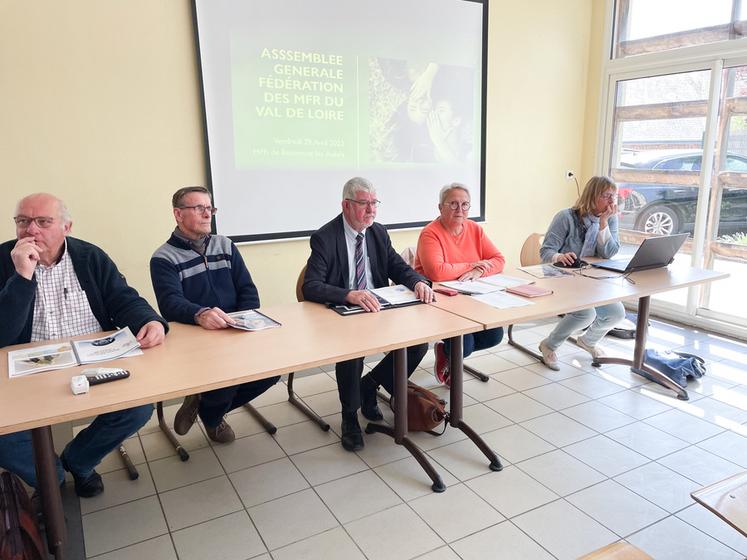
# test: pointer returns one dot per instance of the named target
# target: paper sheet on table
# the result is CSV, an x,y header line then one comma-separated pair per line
x,y
502,300
471,287
504,281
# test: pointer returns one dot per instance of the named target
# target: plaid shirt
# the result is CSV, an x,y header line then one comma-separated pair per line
x,y
61,307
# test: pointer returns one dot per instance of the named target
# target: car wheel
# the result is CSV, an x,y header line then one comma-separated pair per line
x,y
659,220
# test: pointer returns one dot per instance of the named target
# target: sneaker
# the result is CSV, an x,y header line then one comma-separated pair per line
x,y
222,433
549,357
441,369
595,351
187,414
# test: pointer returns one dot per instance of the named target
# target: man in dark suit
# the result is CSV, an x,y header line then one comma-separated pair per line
x,y
349,255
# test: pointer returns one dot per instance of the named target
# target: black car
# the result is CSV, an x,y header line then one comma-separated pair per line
x,y
666,209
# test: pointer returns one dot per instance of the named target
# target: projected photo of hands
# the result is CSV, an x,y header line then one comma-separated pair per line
x,y
420,112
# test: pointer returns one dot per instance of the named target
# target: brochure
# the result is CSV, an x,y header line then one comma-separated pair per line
x,y
389,297
68,354
487,284
252,320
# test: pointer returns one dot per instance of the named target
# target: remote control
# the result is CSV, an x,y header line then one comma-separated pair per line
x,y
104,375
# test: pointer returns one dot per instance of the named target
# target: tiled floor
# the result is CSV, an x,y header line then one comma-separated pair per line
x,y
591,456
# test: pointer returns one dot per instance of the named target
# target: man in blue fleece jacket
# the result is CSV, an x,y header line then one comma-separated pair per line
x,y
198,279
54,286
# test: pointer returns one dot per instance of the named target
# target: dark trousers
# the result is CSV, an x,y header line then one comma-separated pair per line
x,y
215,404
477,341
349,376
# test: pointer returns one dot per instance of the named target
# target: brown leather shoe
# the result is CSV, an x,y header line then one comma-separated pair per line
x,y
187,414
222,433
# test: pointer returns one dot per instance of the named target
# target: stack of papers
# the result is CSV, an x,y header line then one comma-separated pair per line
x,y
488,284
389,296
502,300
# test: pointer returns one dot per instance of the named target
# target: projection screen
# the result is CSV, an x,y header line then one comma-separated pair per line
x,y
301,95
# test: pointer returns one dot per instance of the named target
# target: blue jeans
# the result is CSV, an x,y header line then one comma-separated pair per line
x,y
84,452
17,456
215,404
600,321
477,341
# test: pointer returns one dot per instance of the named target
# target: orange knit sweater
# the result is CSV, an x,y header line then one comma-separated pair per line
x,y
443,256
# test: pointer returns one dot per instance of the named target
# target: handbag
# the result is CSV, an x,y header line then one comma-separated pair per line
x,y
425,411
19,533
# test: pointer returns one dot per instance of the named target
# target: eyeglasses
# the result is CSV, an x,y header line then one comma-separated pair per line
x,y
454,205
24,222
609,196
201,209
362,203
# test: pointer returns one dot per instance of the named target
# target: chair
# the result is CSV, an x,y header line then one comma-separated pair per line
x,y
292,398
408,255
529,256
617,551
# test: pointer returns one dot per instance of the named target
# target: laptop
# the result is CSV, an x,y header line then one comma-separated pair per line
x,y
654,252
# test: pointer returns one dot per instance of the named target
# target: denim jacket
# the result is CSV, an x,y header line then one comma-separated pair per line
x,y
566,233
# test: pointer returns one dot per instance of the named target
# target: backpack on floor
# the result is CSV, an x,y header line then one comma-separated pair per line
x,y
19,534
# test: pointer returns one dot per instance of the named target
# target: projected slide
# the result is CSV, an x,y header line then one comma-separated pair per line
x,y
301,95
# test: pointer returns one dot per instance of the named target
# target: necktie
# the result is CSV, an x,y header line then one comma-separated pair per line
x,y
360,265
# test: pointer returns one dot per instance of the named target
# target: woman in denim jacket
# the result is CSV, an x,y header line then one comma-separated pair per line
x,y
588,229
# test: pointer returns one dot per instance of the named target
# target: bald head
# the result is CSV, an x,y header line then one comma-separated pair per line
x,y
47,200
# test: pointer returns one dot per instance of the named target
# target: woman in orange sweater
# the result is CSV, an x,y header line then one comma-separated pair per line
x,y
452,247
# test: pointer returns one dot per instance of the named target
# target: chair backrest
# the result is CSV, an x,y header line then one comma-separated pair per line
x,y
408,255
530,251
299,285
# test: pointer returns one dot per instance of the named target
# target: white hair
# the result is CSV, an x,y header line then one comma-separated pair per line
x,y
446,189
356,185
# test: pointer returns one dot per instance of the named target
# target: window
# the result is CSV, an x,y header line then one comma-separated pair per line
x,y
646,26
675,141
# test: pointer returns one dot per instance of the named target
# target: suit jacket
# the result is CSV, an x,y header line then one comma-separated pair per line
x,y
327,275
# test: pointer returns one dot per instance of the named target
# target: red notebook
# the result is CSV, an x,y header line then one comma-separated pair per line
x,y
529,290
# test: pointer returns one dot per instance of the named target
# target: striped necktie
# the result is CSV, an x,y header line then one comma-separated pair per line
x,y
360,264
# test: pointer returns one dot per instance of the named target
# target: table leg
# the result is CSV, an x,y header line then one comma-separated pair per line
x,y
636,364
456,397
399,433
49,489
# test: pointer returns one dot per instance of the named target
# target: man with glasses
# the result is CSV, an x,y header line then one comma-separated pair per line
x,y
198,279
349,255
53,286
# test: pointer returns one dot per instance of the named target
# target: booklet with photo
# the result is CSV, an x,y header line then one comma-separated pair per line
x,y
119,344
389,297
488,284
252,320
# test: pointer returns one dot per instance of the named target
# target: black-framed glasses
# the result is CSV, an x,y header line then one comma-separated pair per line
x,y
24,222
201,209
362,203
454,205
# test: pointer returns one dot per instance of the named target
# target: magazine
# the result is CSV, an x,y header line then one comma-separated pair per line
x,y
487,284
389,297
252,320
119,344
